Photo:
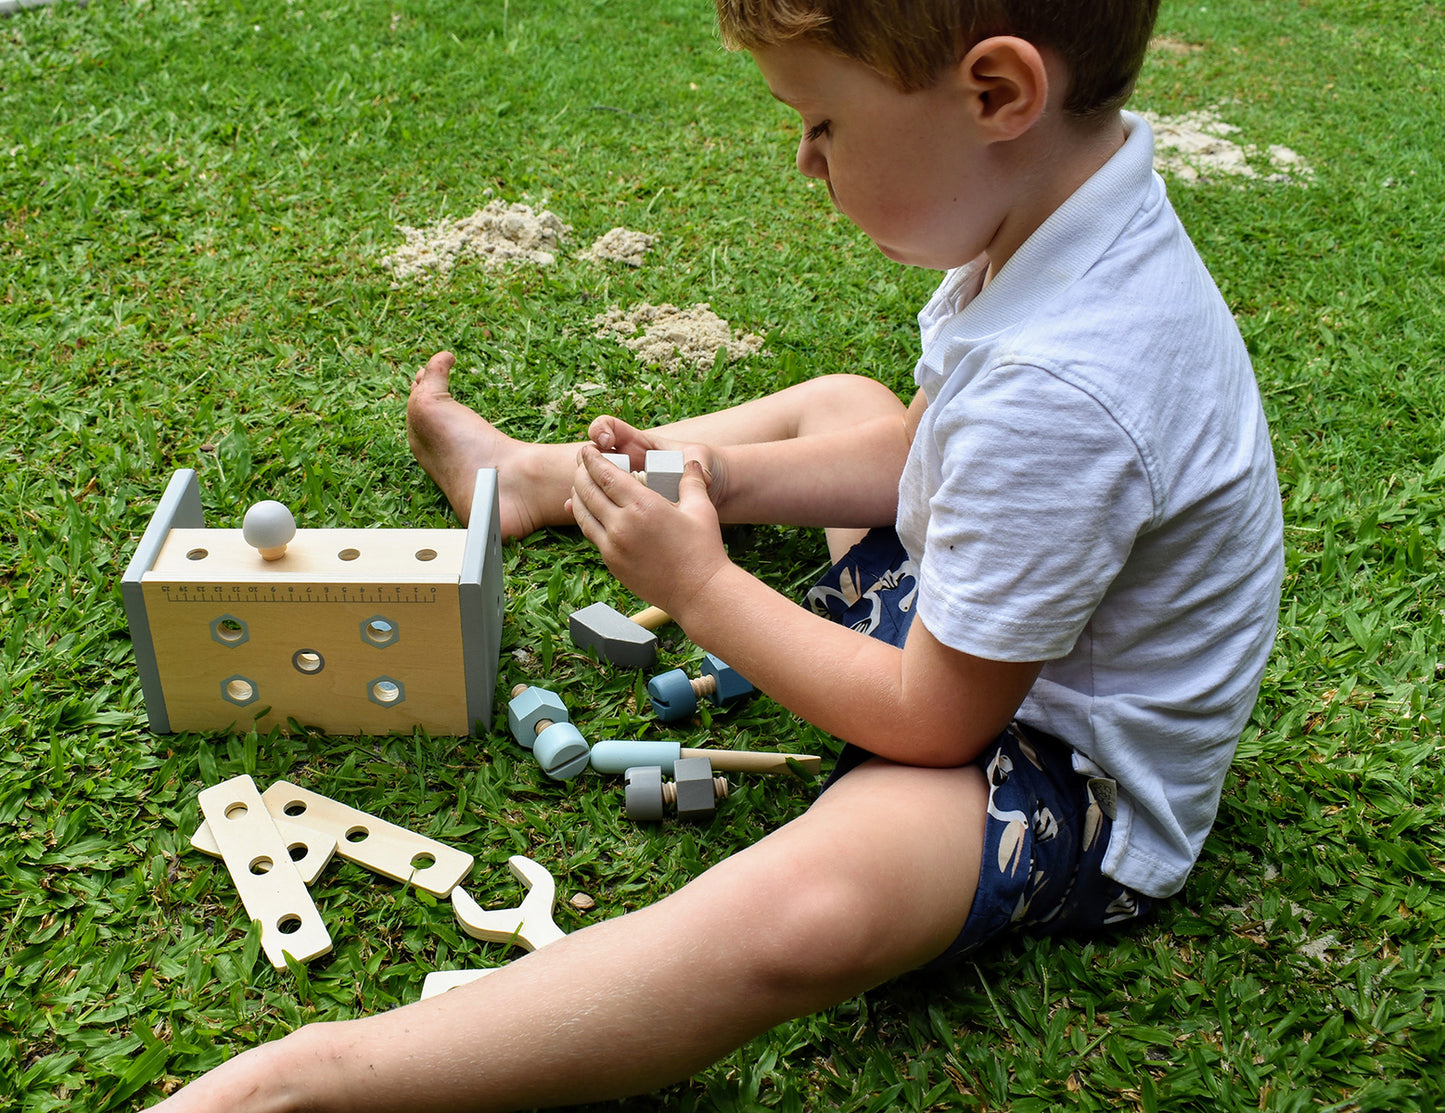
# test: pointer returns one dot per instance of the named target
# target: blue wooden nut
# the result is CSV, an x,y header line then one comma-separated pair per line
x,y
530,707
561,751
672,696
730,685
539,722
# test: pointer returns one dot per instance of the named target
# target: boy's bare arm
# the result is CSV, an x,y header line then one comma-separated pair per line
x,y
926,704
844,478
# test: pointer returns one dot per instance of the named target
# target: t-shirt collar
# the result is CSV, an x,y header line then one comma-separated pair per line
x,y
1061,249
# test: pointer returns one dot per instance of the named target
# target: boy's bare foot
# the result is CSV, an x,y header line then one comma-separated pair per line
x,y
451,442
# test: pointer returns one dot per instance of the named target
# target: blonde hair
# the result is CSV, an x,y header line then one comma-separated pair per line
x,y
910,42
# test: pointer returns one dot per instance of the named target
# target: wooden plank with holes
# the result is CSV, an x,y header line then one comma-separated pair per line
x,y
260,865
310,850
380,846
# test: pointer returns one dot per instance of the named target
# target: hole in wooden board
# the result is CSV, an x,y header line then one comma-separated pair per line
x,y
295,807
197,554
349,554
261,865
240,691
289,924
423,861
426,554
230,630
298,850
308,661
357,834
236,810
385,691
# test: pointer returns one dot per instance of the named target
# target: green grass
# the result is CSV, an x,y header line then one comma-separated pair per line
x,y
193,201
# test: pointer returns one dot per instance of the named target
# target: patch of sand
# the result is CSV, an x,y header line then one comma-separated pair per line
x,y
495,235
1199,147
674,338
620,245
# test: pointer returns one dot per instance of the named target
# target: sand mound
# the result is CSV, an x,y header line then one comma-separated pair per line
x,y
495,235
1199,147
673,338
621,245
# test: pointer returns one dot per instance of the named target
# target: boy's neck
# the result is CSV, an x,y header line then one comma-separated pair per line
x,y
1044,168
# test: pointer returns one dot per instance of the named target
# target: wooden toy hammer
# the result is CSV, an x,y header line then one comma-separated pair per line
x,y
627,642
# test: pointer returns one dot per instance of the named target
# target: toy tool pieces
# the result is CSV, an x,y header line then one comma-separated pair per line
x,y
260,863
529,925
627,642
268,528
662,470
539,722
616,755
350,631
693,790
373,843
674,697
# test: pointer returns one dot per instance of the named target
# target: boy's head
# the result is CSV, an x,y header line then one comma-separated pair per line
x,y
911,42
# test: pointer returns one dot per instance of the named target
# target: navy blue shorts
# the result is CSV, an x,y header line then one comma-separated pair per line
x,y
1047,826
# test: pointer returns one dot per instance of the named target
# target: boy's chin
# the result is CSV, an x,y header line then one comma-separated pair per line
x,y
910,259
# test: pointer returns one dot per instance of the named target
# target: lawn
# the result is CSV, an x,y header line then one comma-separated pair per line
x,y
195,202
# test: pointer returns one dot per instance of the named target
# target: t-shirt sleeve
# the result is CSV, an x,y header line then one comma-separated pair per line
x,y
1043,493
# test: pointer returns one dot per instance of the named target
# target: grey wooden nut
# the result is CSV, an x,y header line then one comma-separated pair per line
x,y
644,793
695,792
694,789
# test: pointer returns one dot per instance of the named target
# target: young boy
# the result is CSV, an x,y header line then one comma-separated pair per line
x,y
1041,664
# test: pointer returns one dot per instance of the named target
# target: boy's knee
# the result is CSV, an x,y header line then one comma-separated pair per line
x,y
819,928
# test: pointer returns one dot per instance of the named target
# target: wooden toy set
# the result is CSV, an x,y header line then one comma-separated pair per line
x,y
350,631
373,631
276,843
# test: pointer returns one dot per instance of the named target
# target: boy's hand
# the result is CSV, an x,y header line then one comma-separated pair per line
x,y
664,552
612,434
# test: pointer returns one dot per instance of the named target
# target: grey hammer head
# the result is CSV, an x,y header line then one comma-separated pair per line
x,y
614,636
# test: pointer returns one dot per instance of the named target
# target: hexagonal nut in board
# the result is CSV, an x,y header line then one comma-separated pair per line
x,y
230,631
386,691
380,631
240,690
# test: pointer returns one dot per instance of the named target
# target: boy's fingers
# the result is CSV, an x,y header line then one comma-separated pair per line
x,y
702,458
694,482
602,432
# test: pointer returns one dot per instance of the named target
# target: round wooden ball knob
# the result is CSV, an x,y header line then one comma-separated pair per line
x,y
268,527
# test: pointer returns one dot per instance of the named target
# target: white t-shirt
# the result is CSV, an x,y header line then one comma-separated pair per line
x,y
1092,485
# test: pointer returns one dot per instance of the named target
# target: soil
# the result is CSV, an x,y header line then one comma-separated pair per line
x,y
495,235
1200,147
621,245
673,338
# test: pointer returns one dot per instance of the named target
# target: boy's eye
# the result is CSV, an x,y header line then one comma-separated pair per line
x,y
817,131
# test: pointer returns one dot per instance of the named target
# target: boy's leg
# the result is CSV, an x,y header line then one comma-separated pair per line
x,y
875,879
451,441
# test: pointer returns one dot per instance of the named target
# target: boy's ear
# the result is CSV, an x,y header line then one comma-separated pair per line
x,y
1007,83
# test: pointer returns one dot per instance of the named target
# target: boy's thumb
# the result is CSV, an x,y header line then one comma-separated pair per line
x,y
694,474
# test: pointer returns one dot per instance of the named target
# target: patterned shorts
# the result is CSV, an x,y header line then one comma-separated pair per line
x,y
1048,825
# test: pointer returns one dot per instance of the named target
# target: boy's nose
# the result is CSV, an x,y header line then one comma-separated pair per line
x,y
811,163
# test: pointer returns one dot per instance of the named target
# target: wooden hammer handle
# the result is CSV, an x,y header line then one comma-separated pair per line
x,y
756,761
652,618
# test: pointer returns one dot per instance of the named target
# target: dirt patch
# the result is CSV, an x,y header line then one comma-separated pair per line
x,y
621,245
673,338
1200,147
1165,45
495,235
